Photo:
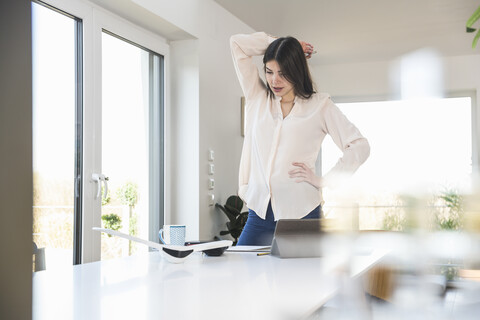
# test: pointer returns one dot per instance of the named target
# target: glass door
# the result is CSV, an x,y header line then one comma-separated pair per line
x,y
132,144
98,102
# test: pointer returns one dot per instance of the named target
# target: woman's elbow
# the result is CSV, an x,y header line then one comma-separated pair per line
x,y
364,150
361,149
234,39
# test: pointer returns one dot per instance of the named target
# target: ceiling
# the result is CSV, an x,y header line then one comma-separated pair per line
x,y
143,18
347,31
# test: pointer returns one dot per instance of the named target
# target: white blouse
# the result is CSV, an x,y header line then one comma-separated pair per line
x,y
272,143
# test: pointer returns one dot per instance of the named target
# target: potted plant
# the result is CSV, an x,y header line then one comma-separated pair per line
x,y
237,219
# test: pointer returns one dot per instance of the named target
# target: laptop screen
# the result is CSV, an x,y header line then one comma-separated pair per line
x,y
297,238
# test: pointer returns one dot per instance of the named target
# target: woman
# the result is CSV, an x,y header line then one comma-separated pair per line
x,y
286,122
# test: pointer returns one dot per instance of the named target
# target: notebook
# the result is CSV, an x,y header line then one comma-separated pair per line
x,y
297,238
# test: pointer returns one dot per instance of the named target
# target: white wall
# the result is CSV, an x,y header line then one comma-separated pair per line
x,y
379,78
203,115
182,124
353,80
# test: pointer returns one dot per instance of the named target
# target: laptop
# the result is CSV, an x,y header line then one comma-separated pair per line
x,y
297,238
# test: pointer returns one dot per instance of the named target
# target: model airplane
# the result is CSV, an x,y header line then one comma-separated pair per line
x,y
175,253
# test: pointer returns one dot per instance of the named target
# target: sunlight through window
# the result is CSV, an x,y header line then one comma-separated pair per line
x,y
417,147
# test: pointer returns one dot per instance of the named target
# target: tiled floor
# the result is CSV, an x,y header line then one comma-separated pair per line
x,y
463,302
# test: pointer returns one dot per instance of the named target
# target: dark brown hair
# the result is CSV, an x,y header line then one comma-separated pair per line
x,y
288,53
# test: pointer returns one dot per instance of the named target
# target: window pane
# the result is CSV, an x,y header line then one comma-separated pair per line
x,y
126,132
53,133
418,147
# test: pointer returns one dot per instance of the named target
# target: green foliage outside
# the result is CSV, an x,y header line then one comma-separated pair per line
x,y
111,221
52,211
394,220
128,194
133,225
446,209
453,219
106,197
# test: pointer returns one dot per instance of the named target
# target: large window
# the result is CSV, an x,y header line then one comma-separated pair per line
x,y
57,134
419,148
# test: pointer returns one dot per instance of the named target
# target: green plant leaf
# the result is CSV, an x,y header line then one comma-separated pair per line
x,y
236,233
475,16
470,30
230,216
232,210
235,202
475,40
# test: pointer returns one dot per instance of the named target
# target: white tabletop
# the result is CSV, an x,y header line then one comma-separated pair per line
x,y
232,286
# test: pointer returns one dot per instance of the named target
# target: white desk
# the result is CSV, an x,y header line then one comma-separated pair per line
x,y
232,286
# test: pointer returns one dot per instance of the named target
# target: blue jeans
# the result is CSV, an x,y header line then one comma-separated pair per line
x,y
259,232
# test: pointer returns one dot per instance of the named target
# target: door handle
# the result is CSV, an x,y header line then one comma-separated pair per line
x,y
98,178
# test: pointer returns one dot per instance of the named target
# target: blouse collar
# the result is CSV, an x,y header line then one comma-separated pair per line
x,y
278,107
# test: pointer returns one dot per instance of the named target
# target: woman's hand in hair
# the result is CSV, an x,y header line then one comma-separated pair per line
x,y
307,49
302,173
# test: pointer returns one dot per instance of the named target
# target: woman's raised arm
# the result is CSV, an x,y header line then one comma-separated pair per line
x,y
244,47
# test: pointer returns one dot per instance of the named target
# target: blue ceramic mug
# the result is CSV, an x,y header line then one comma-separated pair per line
x,y
172,234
